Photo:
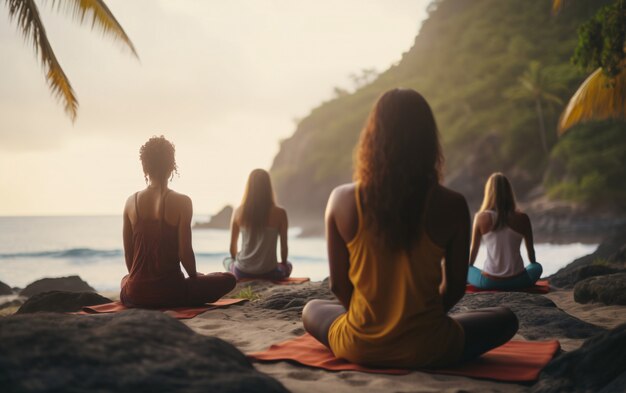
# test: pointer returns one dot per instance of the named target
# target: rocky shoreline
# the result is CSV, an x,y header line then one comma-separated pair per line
x,y
43,349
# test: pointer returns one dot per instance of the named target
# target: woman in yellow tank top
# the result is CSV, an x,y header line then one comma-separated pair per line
x,y
398,245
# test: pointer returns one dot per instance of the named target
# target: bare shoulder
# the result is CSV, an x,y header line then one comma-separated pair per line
x,y
343,190
445,215
443,197
522,218
342,197
130,203
179,200
279,213
482,217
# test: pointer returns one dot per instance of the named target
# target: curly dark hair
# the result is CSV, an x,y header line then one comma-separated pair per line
x,y
398,160
158,158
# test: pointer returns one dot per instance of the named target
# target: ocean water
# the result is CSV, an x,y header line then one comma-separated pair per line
x,y
91,247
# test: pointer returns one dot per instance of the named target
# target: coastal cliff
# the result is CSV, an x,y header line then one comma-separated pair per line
x,y
469,60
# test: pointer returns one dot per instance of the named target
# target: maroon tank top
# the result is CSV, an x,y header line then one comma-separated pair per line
x,y
155,278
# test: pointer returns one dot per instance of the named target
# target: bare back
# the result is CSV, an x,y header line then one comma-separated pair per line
x,y
173,208
517,221
446,221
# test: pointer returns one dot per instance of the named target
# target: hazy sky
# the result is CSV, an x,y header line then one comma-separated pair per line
x,y
224,80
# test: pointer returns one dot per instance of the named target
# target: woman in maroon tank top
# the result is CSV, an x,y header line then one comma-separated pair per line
x,y
157,239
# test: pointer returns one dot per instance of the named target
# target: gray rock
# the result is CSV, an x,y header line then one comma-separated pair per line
x,y
5,289
539,318
608,251
599,365
574,276
133,351
12,303
61,301
610,289
69,284
294,299
221,220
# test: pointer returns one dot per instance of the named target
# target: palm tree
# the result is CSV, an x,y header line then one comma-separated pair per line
x,y
534,85
600,96
26,14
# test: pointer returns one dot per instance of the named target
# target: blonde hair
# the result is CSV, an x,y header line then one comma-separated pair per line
x,y
499,196
257,200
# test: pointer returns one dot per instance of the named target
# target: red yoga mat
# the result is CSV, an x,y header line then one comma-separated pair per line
x,y
515,361
177,312
284,281
540,287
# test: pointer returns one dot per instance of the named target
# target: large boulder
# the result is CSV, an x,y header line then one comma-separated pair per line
x,y
133,351
568,279
609,252
539,318
221,220
5,289
61,301
599,365
610,289
294,299
69,284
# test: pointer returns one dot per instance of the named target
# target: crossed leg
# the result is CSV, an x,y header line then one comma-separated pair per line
x,y
485,329
318,315
208,288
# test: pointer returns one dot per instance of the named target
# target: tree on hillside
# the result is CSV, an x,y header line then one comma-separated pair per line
x,y
26,16
537,86
601,45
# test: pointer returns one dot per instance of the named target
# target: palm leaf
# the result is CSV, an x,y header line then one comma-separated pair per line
x,y
101,18
598,98
557,5
28,20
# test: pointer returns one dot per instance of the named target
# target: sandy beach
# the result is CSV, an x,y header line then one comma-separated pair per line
x,y
253,327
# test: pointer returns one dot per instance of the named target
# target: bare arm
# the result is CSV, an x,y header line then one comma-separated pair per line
x,y
127,234
284,248
528,240
185,250
234,234
338,256
456,258
477,237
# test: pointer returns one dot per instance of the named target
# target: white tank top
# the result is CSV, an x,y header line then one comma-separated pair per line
x,y
503,250
258,251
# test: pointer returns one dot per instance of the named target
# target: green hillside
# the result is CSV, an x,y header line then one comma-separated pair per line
x,y
467,60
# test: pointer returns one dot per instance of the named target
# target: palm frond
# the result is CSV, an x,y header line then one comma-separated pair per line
x,y
598,98
26,14
101,18
557,5
551,98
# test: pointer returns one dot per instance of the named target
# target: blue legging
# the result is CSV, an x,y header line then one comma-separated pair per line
x,y
524,280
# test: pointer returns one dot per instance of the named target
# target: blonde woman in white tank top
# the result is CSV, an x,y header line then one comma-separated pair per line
x,y
502,227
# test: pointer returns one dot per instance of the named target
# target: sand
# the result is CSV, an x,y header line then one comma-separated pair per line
x,y
252,328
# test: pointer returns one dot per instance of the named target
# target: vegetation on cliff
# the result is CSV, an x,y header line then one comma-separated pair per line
x,y
496,74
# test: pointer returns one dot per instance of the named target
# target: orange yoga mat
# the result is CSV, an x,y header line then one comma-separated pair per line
x,y
284,281
178,312
515,361
540,287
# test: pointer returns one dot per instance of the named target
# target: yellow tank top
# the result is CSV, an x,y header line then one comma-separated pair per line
x,y
396,316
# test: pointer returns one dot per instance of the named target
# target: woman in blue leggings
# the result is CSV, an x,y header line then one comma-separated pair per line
x,y
502,227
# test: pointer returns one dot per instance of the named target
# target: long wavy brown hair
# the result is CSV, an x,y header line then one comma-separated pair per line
x,y
499,196
398,160
258,199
